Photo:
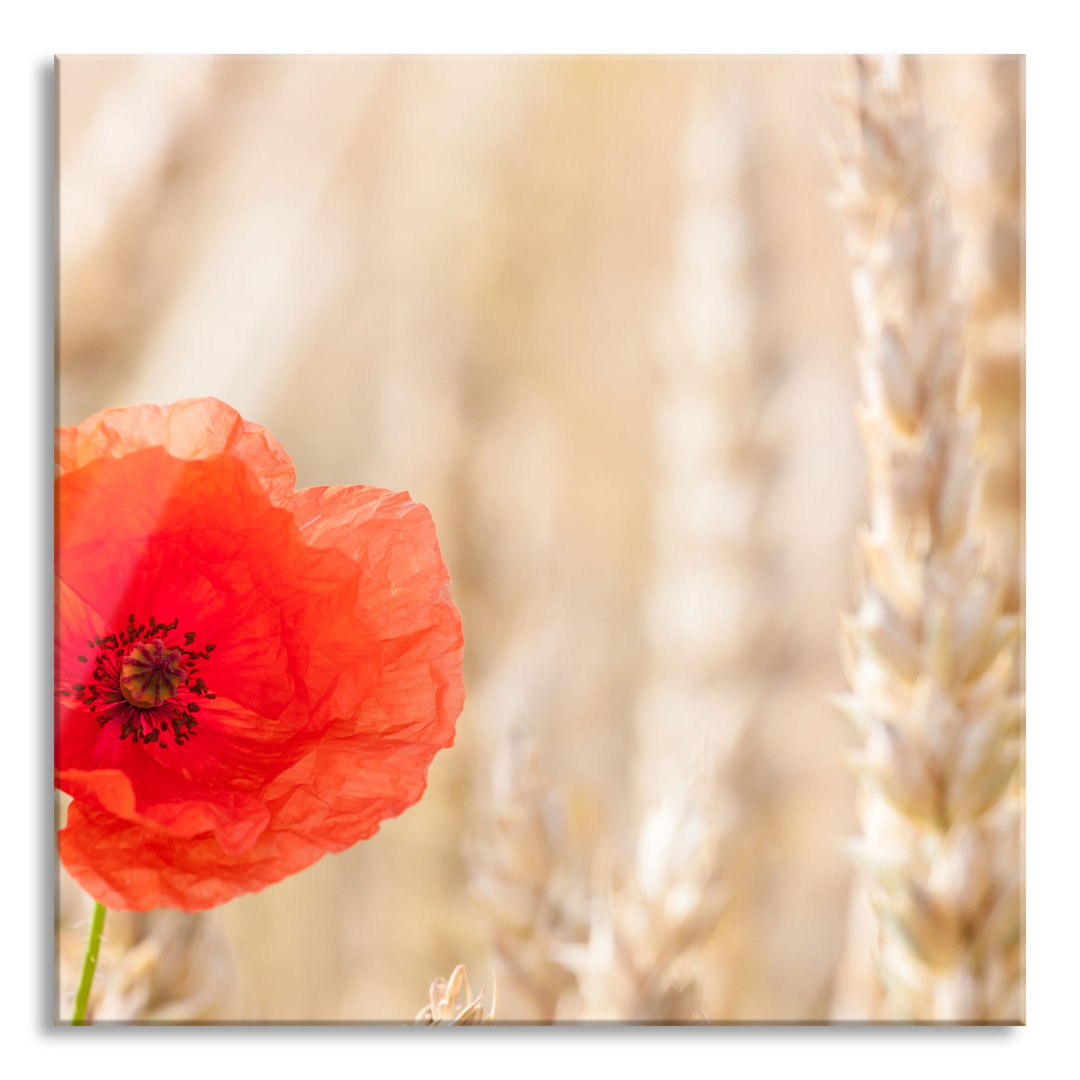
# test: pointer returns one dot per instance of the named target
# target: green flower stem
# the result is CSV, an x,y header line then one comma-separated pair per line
x,y
93,945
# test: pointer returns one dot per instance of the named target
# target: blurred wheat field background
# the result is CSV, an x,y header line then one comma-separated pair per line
x,y
597,314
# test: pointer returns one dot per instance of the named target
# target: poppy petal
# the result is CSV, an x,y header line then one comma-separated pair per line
x,y
190,430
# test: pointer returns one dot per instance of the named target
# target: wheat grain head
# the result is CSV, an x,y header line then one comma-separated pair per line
x,y
928,652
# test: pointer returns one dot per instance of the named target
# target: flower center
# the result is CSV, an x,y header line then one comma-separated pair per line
x,y
151,673
144,684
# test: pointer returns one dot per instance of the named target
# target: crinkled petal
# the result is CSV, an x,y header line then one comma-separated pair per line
x,y
235,818
191,430
199,542
129,867
405,606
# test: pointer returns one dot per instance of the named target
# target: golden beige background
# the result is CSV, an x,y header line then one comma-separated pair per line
x,y
594,312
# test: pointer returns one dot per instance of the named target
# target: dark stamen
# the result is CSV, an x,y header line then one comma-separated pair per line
x,y
143,684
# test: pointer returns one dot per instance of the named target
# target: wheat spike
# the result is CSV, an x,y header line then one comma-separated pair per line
x,y
642,959
710,610
997,322
523,879
928,652
443,1006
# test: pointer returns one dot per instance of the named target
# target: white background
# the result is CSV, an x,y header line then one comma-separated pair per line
x,y
32,32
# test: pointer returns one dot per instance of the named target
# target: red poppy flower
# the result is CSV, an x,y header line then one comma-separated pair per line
x,y
248,676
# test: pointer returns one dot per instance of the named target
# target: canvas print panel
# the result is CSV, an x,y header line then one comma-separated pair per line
x,y
540,539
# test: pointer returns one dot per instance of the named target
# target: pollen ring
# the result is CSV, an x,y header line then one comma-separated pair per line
x,y
145,682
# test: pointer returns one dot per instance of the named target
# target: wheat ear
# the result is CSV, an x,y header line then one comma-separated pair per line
x,y
708,606
444,1006
710,610
522,877
642,960
997,324
928,651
